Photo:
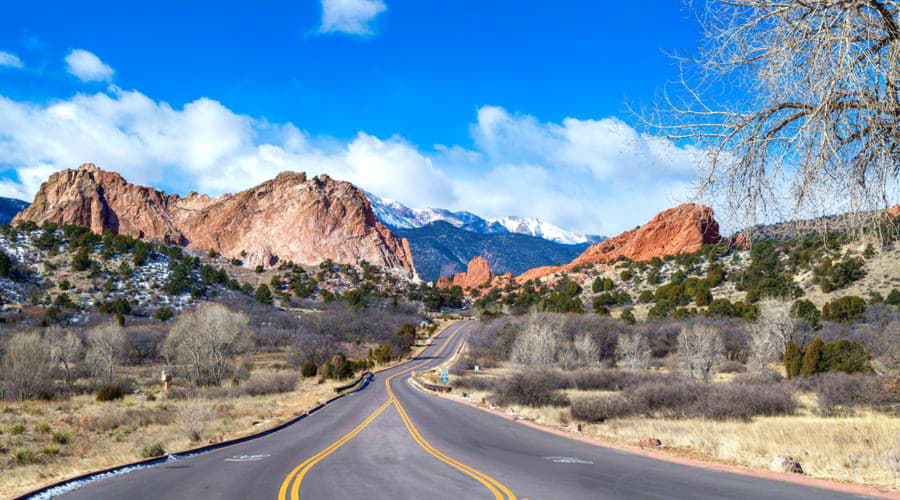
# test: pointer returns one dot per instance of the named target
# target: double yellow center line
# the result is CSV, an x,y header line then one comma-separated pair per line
x,y
293,480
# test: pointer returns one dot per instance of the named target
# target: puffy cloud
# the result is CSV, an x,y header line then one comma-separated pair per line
x,y
597,176
10,60
350,16
88,67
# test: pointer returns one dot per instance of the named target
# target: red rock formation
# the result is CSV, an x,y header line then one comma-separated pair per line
x,y
894,210
685,228
477,273
287,218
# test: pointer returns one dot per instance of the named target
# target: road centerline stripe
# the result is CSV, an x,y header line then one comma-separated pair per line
x,y
298,473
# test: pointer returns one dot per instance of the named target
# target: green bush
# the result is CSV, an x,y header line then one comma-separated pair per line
x,y
111,392
152,450
263,294
845,356
616,298
628,316
845,309
702,296
43,428
16,429
807,311
831,277
163,314
26,457
645,297
81,261
893,298
61,437
715,275
309,369
602,284
118,306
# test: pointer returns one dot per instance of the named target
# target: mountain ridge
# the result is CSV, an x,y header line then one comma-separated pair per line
x,y
288,218
397,215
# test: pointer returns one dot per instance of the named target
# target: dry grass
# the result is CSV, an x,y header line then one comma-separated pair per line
x,y
106,434
863,449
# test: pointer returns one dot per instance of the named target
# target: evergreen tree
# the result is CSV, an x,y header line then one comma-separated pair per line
x,y
792,359
812,358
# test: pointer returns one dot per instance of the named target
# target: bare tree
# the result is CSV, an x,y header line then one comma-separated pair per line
x,y
537,343
796,99
106,344
66,349
208,339
634,351
772,330
700,350
587,350
25,370
192,416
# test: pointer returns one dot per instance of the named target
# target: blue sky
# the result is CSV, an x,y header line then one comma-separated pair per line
x,y
500,107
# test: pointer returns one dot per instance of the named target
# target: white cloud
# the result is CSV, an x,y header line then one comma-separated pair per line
x,y
584,175
11,60
350,16
88,67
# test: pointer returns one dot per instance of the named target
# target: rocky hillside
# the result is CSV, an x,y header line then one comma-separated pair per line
x,y
288,219
440,249
683,229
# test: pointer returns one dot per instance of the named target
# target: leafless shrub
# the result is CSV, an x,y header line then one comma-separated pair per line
x,y
477,383
25,370
529,388
600,408
192,417
699,351
260,385
537,344
842,393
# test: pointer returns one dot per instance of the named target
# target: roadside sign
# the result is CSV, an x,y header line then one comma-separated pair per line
x,y
477,368
444,373
445,379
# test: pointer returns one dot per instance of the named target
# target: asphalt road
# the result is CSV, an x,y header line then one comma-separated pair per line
x,y
392,441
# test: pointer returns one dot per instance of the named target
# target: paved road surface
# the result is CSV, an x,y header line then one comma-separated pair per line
x,y
391,441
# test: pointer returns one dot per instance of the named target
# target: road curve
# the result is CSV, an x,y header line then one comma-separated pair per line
x,y
391,441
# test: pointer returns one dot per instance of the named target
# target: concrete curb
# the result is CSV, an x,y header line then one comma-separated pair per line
x,y
192,451
825,484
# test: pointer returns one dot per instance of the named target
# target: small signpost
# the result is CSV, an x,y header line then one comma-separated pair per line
x,y
477,368
445,376
166,378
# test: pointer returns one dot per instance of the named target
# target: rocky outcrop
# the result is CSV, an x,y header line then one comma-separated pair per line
x,y
477,273
685,228
289,218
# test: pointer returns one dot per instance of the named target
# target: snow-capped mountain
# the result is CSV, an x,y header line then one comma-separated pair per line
x,y
398,215
542,229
